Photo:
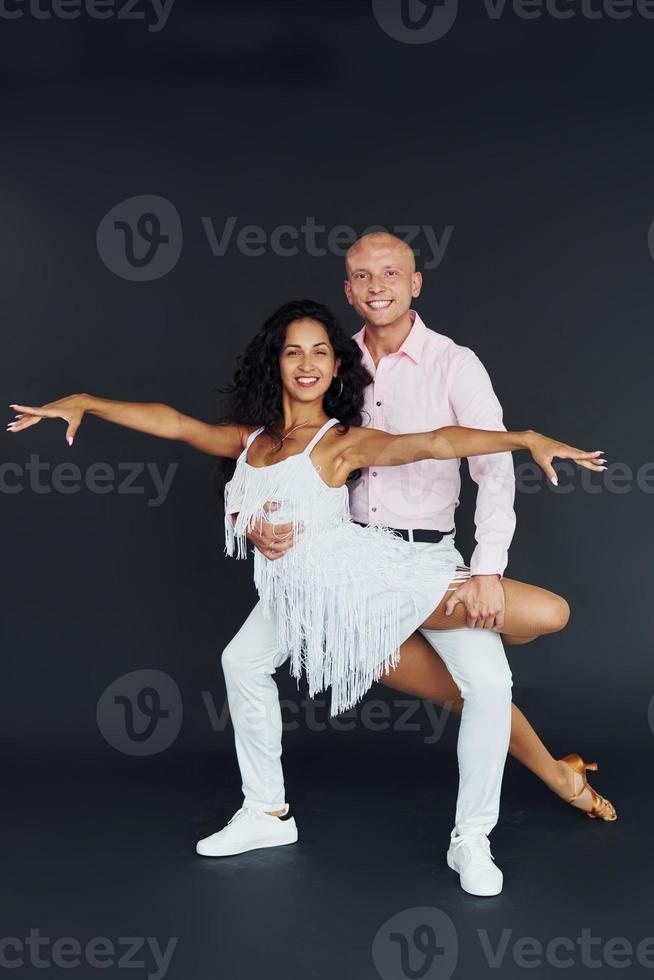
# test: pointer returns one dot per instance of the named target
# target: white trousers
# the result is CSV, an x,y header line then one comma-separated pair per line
x,y
474,657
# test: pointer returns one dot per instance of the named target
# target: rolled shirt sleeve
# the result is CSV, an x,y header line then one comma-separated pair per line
x,y
476,405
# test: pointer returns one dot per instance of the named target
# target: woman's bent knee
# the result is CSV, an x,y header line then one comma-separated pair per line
x,y
230,659
241,659
556,615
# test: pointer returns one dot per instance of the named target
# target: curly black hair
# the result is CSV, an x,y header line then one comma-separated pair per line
x,y
255,395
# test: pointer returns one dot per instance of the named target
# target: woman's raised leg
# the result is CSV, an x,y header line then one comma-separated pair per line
x,y
530,612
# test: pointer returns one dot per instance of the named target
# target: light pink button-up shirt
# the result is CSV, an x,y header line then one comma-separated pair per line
x,y
428,383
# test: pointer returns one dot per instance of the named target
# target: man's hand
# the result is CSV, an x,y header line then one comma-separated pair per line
x,y
272,540
483,598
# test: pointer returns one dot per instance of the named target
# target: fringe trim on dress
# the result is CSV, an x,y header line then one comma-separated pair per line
x,y
338,592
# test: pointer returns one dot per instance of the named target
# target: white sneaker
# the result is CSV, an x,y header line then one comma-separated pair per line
x,y
247,830
470,856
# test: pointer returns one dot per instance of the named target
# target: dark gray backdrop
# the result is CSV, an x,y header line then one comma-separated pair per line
x,y
522,144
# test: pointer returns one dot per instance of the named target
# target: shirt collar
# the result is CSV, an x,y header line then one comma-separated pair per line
x,y
413,343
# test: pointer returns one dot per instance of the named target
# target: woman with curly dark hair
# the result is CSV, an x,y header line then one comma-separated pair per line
x,y
255,395
346,596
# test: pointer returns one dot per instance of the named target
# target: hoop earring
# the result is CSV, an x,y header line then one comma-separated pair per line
x,y
336,397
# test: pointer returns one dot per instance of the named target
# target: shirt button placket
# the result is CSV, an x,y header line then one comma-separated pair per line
x,y
378,423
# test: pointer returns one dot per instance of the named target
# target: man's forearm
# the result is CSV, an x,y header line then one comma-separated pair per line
x,y
495,518
153,418
475,404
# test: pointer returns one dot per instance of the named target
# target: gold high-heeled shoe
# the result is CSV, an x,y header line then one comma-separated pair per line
x,y
601,807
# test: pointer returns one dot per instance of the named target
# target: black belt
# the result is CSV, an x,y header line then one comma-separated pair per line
x,y
419,534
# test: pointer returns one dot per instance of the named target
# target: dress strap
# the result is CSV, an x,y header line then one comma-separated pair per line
x,y
319,434
253,435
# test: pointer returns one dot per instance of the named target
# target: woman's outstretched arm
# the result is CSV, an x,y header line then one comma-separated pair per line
x,y
153,418
372,447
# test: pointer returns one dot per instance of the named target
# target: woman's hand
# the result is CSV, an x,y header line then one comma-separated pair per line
x,y
544,450
71,409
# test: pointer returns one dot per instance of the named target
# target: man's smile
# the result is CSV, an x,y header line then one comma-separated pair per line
x,y
379,304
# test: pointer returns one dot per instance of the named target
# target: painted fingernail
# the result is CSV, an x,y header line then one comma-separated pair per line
x,y
69,441
554,481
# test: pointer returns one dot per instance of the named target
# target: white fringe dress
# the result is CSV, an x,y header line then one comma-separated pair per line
x,y
345,596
